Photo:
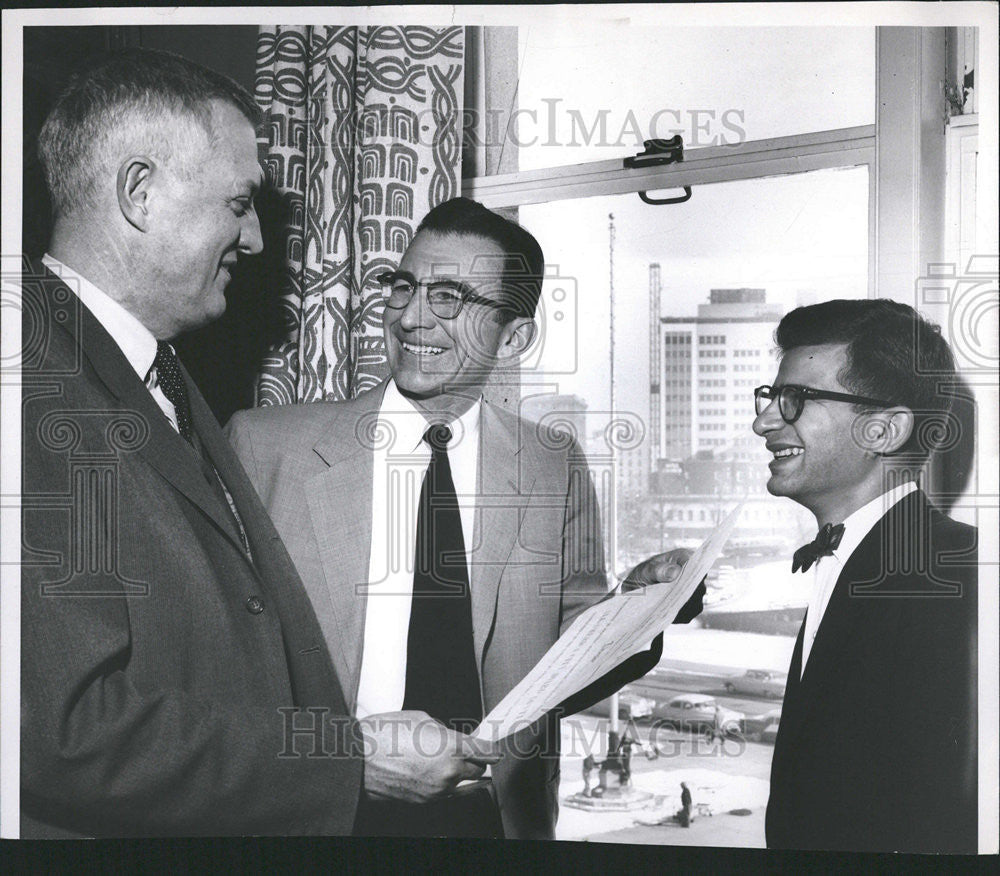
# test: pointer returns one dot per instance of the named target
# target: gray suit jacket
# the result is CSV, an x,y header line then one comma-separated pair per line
x,y
160,666
536,559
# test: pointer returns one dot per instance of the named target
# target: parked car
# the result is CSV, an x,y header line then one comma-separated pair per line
x,y
759,682
762,728
697,712
631,706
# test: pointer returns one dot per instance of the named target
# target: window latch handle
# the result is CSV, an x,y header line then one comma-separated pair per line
x,y
659,152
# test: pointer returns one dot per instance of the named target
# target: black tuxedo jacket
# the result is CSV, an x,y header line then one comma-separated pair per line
x,y
159,664
876,749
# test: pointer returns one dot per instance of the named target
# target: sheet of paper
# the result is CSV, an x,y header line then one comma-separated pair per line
x,y
600,639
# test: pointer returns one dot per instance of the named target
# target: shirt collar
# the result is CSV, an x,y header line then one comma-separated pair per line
x,y
135,340
860,523
408,423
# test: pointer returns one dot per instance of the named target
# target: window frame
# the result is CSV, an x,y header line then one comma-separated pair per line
x,y
904,232
754,159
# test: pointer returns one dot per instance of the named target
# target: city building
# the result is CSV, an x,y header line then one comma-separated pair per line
x,y
704,455
633,471
707,368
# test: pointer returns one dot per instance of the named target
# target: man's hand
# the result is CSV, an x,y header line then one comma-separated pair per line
x,y
411,757
658,569
664,569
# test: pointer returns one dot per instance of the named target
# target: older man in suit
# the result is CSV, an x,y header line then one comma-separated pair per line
x,y
174,678
445,542
876,750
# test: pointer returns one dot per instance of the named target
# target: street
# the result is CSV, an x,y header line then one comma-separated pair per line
x,y
663,684
725,776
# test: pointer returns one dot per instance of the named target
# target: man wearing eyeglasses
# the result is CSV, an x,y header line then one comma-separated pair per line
x,y
876,750
445,543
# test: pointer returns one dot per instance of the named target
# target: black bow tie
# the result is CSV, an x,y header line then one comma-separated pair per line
x,y
825,543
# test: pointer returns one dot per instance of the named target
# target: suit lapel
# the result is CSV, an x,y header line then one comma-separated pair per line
x,y
795,670
221,456
339,499
790,713
843,628
833,635
165,451
501,494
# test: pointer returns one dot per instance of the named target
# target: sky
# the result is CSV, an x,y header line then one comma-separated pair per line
x,y
772,82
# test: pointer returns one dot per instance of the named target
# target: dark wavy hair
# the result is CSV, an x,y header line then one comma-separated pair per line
x,y
524,266
893,354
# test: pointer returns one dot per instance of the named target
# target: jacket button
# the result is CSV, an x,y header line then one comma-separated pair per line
x,y
254,604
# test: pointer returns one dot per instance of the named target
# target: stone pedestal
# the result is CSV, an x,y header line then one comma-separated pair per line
x,y
620,799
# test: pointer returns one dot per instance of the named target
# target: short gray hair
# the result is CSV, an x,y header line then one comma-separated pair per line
x,y
128,88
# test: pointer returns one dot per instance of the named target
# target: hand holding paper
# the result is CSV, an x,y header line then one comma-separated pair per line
x,y
411,757
663,569
659,569
603,636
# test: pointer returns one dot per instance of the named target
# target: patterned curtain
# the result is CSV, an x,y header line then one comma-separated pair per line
x,y
364,137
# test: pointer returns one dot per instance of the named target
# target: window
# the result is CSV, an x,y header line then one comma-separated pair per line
x,y
566,115
779,218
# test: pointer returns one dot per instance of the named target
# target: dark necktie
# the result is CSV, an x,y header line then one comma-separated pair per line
x,y
170,380
826,542
441,674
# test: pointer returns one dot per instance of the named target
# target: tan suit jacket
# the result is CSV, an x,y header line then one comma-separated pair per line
x,y
536,560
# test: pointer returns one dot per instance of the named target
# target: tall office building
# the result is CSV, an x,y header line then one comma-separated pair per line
x,y
655,368
709,367
706,458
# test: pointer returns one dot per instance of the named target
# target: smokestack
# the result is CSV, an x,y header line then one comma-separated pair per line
x,y
655,367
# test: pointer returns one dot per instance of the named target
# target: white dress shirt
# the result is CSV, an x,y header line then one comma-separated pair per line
x,y
399,465
826,570
135,340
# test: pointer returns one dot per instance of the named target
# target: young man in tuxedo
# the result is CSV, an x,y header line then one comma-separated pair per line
x,y
174,678
876,750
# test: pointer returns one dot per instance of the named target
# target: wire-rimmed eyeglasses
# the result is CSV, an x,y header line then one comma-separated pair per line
x,y
792,399
446,298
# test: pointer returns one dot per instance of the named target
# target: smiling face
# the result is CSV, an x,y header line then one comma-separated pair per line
x,y
444,363
203,218
817,460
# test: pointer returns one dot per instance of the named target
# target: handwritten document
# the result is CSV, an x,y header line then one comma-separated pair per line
x,y
600,639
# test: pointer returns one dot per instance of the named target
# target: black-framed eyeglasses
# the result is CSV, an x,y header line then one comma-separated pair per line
x,y
446,298
792,399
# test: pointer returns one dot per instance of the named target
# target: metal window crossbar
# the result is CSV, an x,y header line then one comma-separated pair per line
x,y
800,153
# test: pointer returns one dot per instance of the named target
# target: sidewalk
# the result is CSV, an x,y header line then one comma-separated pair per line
x,y
720,831
723,777
721,792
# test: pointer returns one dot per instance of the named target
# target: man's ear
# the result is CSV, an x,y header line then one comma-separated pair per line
x,y
133,185
887,431
518,336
